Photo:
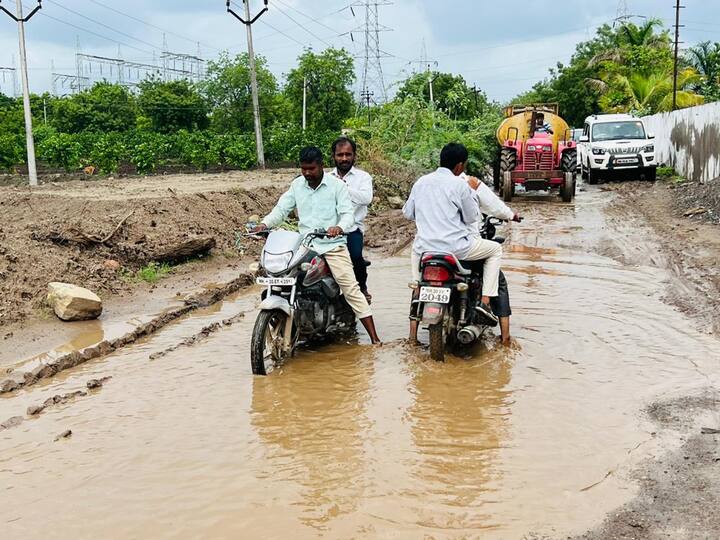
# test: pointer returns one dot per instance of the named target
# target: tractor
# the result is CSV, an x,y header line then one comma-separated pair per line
x,y
537,151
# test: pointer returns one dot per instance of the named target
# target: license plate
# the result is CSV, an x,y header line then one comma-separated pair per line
x,y
626,161
275,281
435,295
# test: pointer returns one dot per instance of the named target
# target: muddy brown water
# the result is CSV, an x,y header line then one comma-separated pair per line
x,y
350,441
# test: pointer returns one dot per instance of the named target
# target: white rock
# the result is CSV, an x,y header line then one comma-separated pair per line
x,y
396,202
73,303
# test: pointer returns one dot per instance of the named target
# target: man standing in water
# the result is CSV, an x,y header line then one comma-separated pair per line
x,y
323,202
491,205
360,185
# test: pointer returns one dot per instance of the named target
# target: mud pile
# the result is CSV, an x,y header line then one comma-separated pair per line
x,y
46,238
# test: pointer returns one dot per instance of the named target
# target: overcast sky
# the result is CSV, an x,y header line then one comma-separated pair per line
x,y
499,46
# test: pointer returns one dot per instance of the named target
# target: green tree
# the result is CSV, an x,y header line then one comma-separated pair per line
x,y
330,75
171,106
227,91
105,107
705,58
647,94
451,94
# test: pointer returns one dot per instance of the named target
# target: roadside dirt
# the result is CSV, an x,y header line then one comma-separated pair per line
x,y
679,490
690,239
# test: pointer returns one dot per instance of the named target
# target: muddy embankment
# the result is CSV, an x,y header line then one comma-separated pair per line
x,y
685,218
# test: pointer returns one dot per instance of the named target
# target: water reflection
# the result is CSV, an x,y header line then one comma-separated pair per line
x,y
460,414
311,419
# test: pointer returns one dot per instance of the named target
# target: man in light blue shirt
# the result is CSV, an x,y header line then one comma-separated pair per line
x,y
323,202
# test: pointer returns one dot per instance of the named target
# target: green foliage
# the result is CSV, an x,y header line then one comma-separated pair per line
x,y
705,59
107,152
170,106
12,150
59,150
450,94
103,108
409,133
227,91
329,76
153,272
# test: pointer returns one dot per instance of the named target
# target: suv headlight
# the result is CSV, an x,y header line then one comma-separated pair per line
x,y
649,148
598,151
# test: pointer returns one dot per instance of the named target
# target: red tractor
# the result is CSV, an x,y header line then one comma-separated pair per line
x,y
537,152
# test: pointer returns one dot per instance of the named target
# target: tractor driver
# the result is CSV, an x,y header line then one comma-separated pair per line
x,y
541,126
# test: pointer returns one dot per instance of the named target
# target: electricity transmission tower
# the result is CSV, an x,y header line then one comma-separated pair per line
x,y
9,74
372,72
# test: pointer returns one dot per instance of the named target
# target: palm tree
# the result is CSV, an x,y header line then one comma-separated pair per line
x,y
650,93
705,58
632,35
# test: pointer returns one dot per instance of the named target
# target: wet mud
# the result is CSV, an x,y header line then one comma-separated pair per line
x,y
540,440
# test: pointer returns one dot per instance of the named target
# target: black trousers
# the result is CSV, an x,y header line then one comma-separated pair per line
x,y
500,304
355,242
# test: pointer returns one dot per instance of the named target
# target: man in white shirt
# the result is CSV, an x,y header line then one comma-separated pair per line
x,y
491,205
444,207
360,185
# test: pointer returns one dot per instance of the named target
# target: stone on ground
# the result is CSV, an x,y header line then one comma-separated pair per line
x,y
73,303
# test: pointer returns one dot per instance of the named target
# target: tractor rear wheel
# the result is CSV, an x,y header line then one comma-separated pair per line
x,y
507,162
508,187
569,161
567,190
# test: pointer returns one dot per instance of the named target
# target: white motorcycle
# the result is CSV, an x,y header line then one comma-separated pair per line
x,y
301,301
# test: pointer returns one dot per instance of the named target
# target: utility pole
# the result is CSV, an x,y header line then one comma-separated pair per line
x,y
20,20
304,103
367,96
678,7
248,22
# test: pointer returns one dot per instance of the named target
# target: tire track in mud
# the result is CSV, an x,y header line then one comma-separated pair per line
x,y
23,379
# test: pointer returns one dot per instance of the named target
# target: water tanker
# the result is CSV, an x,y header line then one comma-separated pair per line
x,y
536,151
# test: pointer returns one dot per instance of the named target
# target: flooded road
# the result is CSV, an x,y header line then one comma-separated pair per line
x,y
350,441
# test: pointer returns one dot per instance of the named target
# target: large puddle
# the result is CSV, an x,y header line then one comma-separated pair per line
x,y
350,441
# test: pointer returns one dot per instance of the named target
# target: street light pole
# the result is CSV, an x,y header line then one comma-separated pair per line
x,y
18,17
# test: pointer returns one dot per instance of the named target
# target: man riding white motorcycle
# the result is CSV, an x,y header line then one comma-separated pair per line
x,y
323,202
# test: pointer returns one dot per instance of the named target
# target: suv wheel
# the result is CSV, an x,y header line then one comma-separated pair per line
x,y
593,176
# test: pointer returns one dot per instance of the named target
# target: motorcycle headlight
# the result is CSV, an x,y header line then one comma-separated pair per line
x,y
598,151
276,263
649,148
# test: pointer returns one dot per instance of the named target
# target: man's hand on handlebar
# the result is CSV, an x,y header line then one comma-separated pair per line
x,y
332,232
260,227
517,218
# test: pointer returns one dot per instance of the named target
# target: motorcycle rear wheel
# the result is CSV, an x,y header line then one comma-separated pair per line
x,y
266,349
437,342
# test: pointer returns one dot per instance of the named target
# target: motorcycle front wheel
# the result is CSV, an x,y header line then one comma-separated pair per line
x,y
266,349
437,341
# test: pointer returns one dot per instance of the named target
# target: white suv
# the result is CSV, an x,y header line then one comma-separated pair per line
x,y
612,143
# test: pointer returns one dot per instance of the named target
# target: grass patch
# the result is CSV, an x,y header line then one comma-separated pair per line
x,y
668,174
153,272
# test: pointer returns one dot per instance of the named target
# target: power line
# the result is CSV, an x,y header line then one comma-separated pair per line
x,y
101,24
306,30
169,32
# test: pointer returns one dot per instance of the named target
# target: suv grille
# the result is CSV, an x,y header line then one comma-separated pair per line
x,y
626,150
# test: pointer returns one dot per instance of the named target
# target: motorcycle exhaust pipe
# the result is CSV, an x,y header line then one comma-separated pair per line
x,y
469,334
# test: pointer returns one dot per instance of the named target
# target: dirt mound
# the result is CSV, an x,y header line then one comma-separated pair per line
x,y
41,238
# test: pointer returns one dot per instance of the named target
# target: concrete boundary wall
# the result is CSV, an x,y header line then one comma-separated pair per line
x,y
689,140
